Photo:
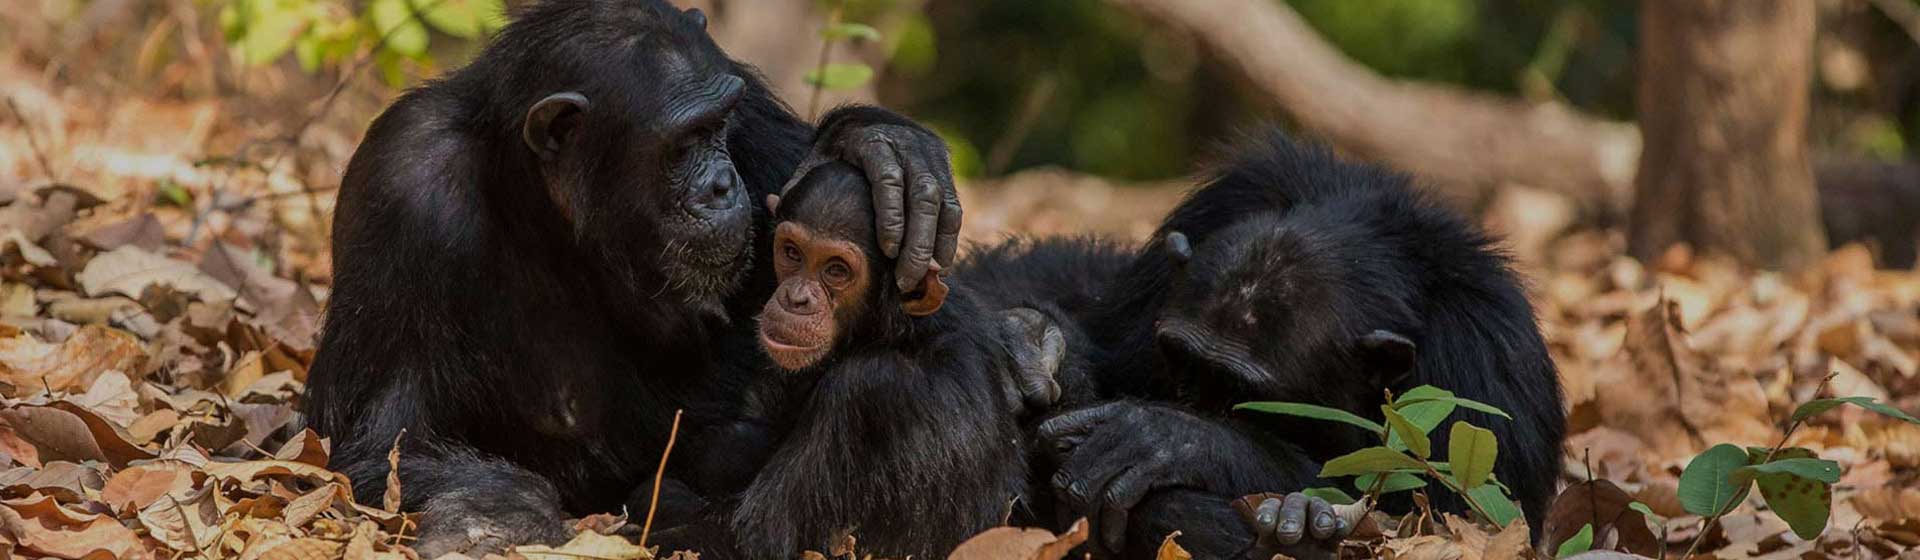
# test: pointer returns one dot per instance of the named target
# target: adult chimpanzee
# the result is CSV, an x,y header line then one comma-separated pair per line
x,y
1294,276
543,255
903,431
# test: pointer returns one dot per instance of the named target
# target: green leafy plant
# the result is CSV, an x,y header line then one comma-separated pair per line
x,y
323,32
1796,484
1406,451
839,75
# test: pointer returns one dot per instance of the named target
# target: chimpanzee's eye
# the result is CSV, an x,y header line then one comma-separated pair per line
x,y
838,273
790,251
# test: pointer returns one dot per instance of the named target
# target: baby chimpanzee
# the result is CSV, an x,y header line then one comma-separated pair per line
x,y
901,429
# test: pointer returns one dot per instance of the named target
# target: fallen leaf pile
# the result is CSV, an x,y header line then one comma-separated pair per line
x,y
161,284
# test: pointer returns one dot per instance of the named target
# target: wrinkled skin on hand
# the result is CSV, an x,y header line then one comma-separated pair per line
x,y
916,209
1114,455
477,521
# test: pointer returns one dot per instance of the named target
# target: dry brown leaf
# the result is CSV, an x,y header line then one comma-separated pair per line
x,y
65,431
587,545
144,429
1170,550
1425,547
251,470
1602,505
1510,544
137,487
34,367
14,446
305,447
188,520
295,549
66,482
129,270
390,501
310,505
1026,543
38,526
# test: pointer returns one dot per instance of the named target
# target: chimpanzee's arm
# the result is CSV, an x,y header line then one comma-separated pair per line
x,y
1118,458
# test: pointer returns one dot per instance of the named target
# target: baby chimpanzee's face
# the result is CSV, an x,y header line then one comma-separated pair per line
x,y
834,283
823,285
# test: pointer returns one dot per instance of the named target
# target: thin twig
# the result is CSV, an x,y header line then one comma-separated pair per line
x,y
33,141
659,475
820,68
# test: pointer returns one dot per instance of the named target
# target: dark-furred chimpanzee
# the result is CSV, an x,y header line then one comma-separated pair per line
x,y
541,256
1294,276
902,431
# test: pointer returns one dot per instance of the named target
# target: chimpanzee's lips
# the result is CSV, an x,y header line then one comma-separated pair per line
x,y
788,350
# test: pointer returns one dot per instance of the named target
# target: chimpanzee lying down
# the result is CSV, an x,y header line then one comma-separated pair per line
x,y
901,429
1292,276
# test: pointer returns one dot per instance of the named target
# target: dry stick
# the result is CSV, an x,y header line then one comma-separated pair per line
x,y
33,141
658,475
1707,524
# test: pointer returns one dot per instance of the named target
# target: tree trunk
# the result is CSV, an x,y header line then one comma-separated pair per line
x,y
1723,101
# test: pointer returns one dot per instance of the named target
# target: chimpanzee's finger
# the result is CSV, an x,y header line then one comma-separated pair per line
x,y
1265,518
947,245
1323,523
1069,428
923,219
874,153
1293,519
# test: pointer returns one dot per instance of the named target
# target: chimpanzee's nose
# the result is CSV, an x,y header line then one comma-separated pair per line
x,y
800,302
716,189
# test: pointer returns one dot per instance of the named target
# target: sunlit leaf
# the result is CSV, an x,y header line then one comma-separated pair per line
x,y
1414,439
466,19
400,32
1396,482
1313,411
1497,503
845,31
1369,460
1471,450
840,76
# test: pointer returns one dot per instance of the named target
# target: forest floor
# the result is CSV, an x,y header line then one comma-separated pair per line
x,y
163,264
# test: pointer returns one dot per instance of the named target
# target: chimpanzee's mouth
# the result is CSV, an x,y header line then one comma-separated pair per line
x,y
789,354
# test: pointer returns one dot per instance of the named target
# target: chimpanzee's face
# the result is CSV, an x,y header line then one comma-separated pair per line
x,y
1235,312
638,161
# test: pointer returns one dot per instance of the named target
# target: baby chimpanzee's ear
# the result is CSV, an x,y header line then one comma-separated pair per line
x,y
929,295
1387,355
773,204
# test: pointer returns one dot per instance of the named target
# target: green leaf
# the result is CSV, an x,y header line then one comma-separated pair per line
x,y
1469,403
1817,406
1496,503
1411,438
1313,411
1369,460
466,19
839,76
270,33
1425,416
1578,543
307,51
1804,503
850,31
1705,487
174,194
1646,511
1811,469
1472,451
1396,482
1330,494
394,22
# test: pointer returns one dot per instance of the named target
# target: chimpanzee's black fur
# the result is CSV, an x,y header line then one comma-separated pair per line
x,y
532,319
1315,253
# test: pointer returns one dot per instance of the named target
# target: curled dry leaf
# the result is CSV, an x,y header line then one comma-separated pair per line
x,y
1604,506
587,544
129,270
34,367
1021,543
38,526
139,486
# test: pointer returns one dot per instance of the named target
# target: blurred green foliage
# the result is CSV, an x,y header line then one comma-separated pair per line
x,y
329,32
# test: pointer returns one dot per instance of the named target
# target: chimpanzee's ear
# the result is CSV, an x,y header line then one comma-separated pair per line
x,y
1179,247
1387,354
773,204
929,296
550,120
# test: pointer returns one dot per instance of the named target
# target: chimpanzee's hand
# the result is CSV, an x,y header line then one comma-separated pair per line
x,y
479,521
1296,525
1113,455
1037,347
916,211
